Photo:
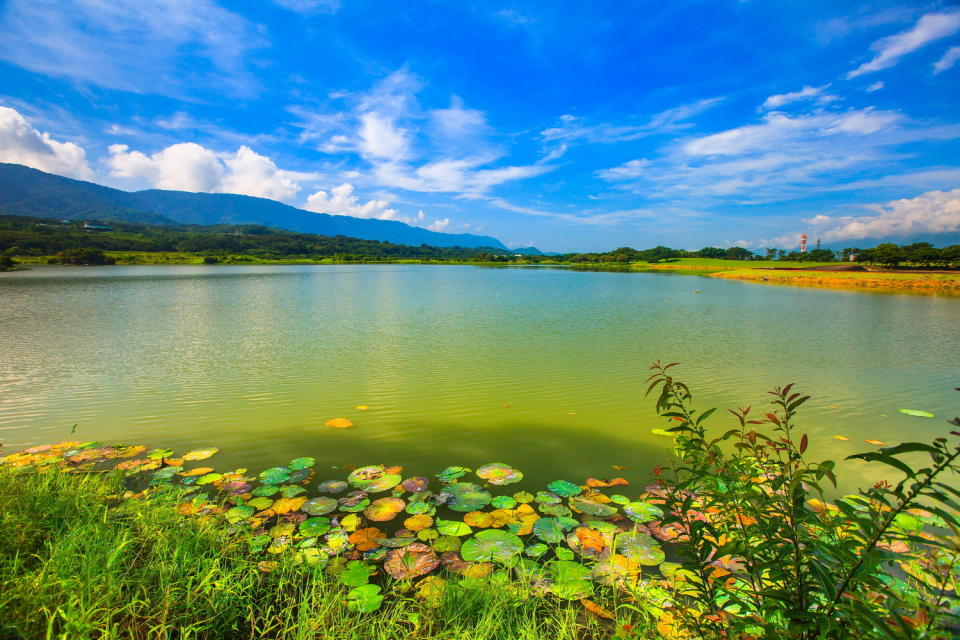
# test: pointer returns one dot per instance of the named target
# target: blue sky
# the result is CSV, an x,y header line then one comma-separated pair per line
x,y
569,126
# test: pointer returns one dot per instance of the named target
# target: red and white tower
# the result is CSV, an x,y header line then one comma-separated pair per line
x,y
803,243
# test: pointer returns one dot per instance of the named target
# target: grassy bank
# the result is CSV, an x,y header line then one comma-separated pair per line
x,y
77,562
919,282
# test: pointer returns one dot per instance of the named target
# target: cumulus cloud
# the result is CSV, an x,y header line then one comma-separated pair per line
x,y
948,60
188,166
889,50
807,93
20,143
929,213
876,86
341,201
133,45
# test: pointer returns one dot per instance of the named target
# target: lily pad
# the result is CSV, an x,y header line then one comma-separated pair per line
x,y
556,510
239,514
367,539
300,475
452,473
546,497
569,580
914,412
315,526
209,478
291,490
466,496
298,464
200,454
257,544
415,508
373,479
643,511
418,522
364,599
446,543
266,490
453,528
503,502
332,486
356,573
553,530
592,508
523,497
418,484
260,503
157,454
319,506
275,475
640,548
536,550
412,561
492,545
499,474
564,488
338,423
384,509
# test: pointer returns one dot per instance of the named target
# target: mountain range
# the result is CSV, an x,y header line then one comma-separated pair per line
x,y
29,192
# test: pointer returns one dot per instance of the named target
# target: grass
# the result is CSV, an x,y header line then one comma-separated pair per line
x,y
845,279
75,564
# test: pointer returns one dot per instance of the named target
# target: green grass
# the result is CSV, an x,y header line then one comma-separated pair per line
x,y
75,563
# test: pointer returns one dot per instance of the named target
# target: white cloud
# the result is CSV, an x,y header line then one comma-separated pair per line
x,y
948,60
930,27
876,86
781,157
381,138
133,45
341,201
20,143
191,167
310,6
443,226
929,213
807,93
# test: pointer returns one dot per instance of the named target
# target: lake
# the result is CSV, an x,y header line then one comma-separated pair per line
x,y
536,367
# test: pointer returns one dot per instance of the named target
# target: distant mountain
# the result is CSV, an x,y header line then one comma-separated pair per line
x,y
527,251
29,192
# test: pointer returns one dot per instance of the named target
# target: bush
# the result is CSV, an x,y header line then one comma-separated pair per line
x,y
7,263
81,256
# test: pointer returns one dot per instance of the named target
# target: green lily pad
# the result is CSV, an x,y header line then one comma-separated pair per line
x,y
643,511
356,573
332,486
592,508
200,454
281,530
259,503
523,497
239,514
565,554
313,557
291,490
545,497
275,475
536,550
639,547
556,510
569,580
300,475
503,502
553,530
619,499
373,479
316,526
564,488
266,490
499,474
156,454
319,506
301,463
914,412
209,478
364,599
415,508
396,542
466,496
446,543
491,545
452,473
453,528
258,543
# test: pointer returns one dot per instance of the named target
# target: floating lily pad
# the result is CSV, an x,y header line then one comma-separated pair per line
x,y
260,503
156,454
367,538
395,542
452,473
364,599
564,488
499,474
298,464
315,526
639,547
239,514
275,475
209,478
416,508
200,454
291,490
569,580
492,545
313,557
373,479
536,550
266,490
446,543
910,412
410,562
356,573
619,499
556,510
300,475
418,522
281,530
466,496
384,509
553,530
503,502
257,544
338,423
523,497
332,486
546,497
643,511
453,528
592,508
418,484
426,535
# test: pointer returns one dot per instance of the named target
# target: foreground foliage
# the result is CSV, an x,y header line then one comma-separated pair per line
x,y
118,541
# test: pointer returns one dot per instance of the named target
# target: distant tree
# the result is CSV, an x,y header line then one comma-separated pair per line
x,y
712,252
81,256
7,263
821,255
737,253
781,254
888,254
771,254
658,253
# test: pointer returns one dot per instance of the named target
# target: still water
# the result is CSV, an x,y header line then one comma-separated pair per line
x,y
539,368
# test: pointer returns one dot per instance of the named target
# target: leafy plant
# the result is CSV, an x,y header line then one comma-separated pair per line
x,y
763,555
